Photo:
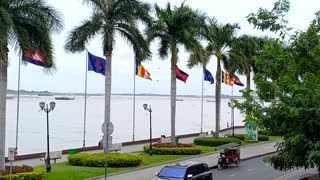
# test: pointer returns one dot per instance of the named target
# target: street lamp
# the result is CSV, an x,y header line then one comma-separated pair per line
x,y
44,107
231,104
145,106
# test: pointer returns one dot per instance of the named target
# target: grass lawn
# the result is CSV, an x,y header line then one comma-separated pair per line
x,y
63,171
273,138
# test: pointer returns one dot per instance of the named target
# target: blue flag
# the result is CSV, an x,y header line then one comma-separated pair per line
x,y
208,76
96,64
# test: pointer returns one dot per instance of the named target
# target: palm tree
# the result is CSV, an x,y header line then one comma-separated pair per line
x,y
241,54
111,17
219,38
174,28
25,24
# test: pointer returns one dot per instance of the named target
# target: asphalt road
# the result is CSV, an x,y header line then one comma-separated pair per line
x,y
257,169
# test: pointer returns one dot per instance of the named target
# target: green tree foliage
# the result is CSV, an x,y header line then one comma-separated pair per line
x,y
288,86
272,20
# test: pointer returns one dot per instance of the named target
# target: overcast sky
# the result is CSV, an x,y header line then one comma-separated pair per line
x,y
70,73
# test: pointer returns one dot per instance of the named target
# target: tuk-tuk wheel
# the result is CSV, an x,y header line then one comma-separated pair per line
x,y
238,162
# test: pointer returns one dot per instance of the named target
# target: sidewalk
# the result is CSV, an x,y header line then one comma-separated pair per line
x,y
211,159
64,157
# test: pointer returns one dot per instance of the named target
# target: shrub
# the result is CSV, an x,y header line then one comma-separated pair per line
x,y
269,132
36,174
210,141
98,160
166,149
263,138
238,136
241,137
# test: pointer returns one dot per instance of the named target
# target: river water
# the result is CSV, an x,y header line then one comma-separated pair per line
x,y
67,123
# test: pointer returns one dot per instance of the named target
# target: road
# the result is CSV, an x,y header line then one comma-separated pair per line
x,y
257,169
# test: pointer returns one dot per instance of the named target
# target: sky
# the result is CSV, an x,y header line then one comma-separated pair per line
x,y
70,73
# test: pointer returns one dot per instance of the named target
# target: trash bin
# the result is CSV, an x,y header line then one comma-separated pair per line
x,y
176,139
73,151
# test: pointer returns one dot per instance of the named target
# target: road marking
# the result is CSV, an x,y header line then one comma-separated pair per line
x,y
250,169
232,175
291,174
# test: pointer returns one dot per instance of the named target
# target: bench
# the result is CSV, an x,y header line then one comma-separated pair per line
x,y
204,134
54,155
116,147
165,140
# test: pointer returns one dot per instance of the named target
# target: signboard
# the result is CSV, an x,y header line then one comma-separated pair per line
x,y
11,153
106,143
107,128
251,132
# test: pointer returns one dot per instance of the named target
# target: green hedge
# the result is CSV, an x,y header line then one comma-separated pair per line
x,y
36,174
238,136
241,137
98,160
263,138
173,151
210,141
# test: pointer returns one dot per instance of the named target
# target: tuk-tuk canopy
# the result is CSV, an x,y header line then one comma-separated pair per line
x,y
228,146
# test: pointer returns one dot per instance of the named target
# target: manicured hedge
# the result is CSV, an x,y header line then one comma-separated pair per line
x,y
193,150
263,138
98,160
36,174
241,137
238,136
210,141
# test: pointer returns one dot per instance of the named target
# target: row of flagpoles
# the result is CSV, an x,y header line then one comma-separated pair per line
x,y
97,64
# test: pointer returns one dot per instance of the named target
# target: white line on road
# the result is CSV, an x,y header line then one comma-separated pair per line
x,y
250,169
291,174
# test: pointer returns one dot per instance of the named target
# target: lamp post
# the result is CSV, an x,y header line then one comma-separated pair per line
x,y
145,106
231,104
44,107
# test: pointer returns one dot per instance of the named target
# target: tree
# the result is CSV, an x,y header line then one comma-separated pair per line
x,y
293,78
25,24
174,28
111,17
219,38
241,54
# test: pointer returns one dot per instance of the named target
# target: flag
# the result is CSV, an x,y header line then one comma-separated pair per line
x,y
208,76
141,71
233,79
36,57
182,76
96,64
237,81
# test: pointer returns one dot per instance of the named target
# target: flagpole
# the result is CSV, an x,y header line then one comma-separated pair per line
x,y
202,103
134,100
85,102
18,105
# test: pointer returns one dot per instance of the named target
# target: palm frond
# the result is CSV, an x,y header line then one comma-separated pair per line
x,y
79,36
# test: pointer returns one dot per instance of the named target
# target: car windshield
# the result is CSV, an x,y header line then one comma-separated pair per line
x,y
172,172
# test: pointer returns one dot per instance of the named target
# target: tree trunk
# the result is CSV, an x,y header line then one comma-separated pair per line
x,y
218,97
3,97
107,107
248,80
173,96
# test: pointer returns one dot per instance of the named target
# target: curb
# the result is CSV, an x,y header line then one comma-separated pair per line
x,y
168,162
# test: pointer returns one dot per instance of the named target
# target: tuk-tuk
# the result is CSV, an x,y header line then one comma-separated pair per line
x,y
229,154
